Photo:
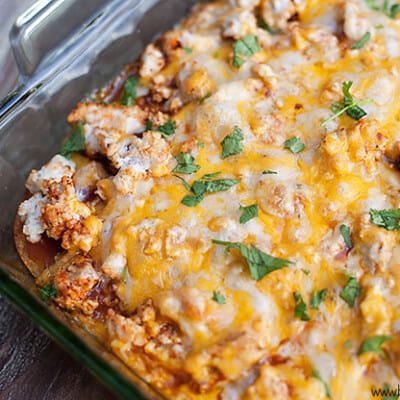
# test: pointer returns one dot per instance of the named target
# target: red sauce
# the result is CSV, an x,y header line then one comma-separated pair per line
x,y
43,252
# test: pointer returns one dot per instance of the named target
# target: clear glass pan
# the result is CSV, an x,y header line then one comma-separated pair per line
x,y
65,49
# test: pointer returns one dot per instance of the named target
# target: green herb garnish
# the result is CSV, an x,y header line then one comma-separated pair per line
x,y
125,274
294,145
200,144
167,129
361,43
259,263
203,186
47,292
232,144
349,106
218,297
130,91
305,271
188,50
269,172
317,298
300,309
374,344
185,164
390,11
248,213
316,375
149,126
263,25
247,46
388,219
75,143
345,231
204,98
351,291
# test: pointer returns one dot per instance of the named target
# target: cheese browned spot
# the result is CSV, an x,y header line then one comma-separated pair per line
x,y
141,269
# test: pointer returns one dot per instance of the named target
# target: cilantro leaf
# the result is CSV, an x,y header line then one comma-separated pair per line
x,y
232,144
316,375
294,145
390,11
130,91
184,183
374,344
125,274
371,4
218,297
300,309
47,292
248,213
306,271
349,106
204,98
263,25
394,10
149,126
185,164
188,50
200,144
247,46
203,186
76,142
269,172
345,231
210,176
388,219
361,43
317,298
259,263
167,129
351,291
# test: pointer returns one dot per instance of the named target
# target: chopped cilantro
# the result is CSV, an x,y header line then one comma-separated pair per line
x,y
259,263
390,11
345,231
204,98
167,129
76,142
269,172
374,344
317,298
248,213
294,145
125,274
306,271
361,43
351,291
47,292
210,176
300,309
388,219
232,144
188,50
218,297
247,46
200,144
184,183
149,126
203,186
316,375
130,91
349,106
263,25
185,164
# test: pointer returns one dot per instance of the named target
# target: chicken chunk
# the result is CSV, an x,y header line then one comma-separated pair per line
x,y
152,61
355,24
74,282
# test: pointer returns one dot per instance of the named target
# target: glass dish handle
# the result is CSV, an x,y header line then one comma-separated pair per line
x,y
41,33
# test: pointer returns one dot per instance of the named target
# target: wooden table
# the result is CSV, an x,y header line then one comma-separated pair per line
x,y
32,367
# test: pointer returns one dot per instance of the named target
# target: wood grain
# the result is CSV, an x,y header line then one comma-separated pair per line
x,y
31,365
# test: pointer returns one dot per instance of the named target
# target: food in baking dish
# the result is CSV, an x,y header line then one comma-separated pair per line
x,y
225,214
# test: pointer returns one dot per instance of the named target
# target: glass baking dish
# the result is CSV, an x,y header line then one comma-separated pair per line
x,y
64,50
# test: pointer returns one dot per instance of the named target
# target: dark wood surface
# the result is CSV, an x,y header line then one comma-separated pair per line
x,y
32,367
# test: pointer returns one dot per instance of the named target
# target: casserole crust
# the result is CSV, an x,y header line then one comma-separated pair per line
x,y
224,216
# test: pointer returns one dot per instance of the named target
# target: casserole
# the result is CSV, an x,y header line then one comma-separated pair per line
x,y
239,94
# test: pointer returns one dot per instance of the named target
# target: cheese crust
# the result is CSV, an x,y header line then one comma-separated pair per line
x,y
221,230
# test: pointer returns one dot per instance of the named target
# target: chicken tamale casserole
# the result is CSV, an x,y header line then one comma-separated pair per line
x,y
225,215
